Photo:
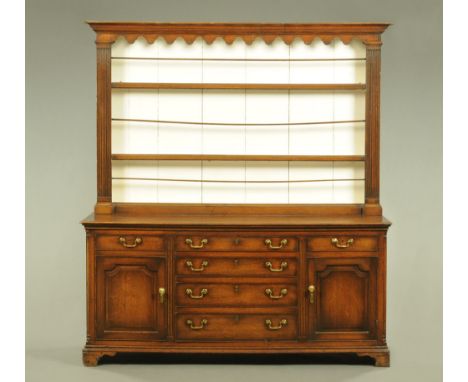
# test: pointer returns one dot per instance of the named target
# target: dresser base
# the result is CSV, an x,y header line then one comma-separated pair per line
x,y
219,287
92,353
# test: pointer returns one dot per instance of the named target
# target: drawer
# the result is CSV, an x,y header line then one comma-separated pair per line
x,y
236,243
236,266
129,242
198,326
204,293
343,243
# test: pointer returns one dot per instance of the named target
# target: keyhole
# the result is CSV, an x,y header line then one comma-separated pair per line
x,y
236,241
236,288
236,262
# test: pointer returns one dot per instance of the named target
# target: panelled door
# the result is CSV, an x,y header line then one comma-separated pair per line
x,y
131,297
342,298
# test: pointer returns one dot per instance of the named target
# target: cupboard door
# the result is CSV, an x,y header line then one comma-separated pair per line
x,y
129,300
342,298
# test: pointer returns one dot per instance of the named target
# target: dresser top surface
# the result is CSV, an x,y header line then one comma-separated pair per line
x,y
217,220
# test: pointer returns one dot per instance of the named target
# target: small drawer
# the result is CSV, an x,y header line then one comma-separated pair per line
x,y
236,266
236,326
236,243
129,241
343,243
204,293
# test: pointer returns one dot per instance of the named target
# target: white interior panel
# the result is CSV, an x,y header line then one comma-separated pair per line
x,y
349,71
313,192
349,138
224,71
223,192
179,192
182,106
266,107
134,70
348,191
268,193
319,72
238,107
134,137
135,104
131,190
176,70
224,107
308,106
267,71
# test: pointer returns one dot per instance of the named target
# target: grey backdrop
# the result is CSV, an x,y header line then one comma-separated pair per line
x,y
61,181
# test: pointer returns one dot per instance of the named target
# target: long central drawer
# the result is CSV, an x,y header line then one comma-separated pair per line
x,y
236,243
266,326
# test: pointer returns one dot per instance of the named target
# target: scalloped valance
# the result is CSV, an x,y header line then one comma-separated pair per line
x,y
368,33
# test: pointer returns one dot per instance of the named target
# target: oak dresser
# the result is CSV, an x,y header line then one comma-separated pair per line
x,y
209,235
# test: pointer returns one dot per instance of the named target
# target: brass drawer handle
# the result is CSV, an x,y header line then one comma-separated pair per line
x,y
311,290
204,264
342,244
203,323
162,293
269,293
202,243
270,326
137,241
283,266
283,243
203,293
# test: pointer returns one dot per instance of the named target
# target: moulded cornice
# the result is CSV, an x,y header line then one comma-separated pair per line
x,y
368,33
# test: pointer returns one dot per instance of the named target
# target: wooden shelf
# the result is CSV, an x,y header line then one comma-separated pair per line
x,y
223,157
231,86
237,59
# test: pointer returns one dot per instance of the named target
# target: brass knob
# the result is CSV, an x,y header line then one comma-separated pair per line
x,y
311,290
162,293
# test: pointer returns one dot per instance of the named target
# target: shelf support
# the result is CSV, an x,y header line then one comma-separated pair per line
x,y
372,202
104,115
